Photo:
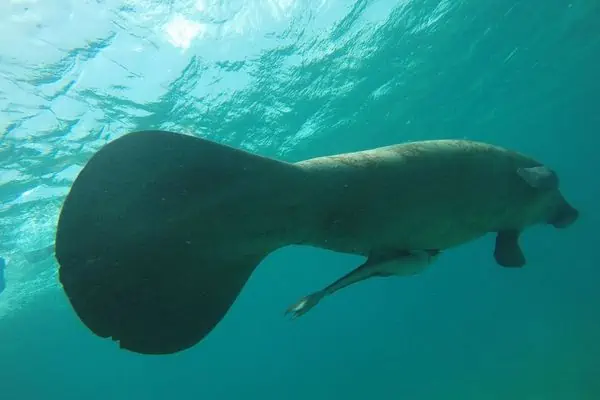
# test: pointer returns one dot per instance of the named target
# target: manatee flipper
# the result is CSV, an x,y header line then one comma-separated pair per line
x,y
382,264
508,252
157,237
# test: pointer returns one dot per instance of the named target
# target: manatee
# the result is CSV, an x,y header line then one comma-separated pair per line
x,y
160,231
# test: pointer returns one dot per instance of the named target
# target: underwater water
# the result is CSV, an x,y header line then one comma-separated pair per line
x,y
294,80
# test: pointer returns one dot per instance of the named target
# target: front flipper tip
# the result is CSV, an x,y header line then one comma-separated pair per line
x,y
304,305
508,253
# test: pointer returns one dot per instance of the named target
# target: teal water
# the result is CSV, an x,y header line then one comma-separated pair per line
x,y
295,80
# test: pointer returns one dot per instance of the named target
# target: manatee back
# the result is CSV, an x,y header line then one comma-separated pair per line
x,y
429,194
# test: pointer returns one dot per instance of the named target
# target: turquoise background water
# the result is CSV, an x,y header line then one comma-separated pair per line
x,y
297,79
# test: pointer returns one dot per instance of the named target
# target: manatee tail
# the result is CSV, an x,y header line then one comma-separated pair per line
x,y
158,236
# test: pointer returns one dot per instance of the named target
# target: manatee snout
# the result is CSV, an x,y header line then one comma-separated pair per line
x,y
564,216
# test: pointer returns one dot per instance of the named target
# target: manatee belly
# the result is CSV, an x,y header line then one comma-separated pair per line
x,y
429,195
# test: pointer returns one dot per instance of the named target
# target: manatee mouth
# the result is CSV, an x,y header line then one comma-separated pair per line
x,y
565,216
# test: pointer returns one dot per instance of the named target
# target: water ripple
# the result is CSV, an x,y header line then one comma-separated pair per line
x,y
286,78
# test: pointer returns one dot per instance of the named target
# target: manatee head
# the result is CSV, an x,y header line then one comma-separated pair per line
x,y
554,208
